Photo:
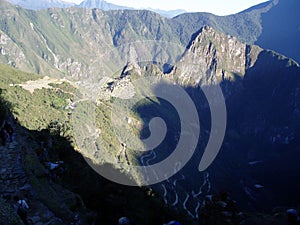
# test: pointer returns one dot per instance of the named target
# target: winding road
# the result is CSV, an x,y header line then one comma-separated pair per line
x,y
173,191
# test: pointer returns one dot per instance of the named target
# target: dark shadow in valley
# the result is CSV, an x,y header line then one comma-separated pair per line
x,y
110,201
258,163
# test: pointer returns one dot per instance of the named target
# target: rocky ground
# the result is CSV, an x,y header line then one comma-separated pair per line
x,y
17,181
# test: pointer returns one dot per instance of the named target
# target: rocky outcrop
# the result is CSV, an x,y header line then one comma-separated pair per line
x,y
214,57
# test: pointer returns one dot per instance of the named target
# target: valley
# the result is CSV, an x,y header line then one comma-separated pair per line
x,y
173,111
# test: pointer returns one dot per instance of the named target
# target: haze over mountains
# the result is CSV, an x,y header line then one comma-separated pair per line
x,y
106,51
100,4
44,4
91,4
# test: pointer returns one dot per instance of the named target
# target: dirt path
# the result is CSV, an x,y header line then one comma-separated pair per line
x,y
15,182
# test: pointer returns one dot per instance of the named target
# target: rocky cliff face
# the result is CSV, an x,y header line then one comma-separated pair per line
x,y
261,89
214,57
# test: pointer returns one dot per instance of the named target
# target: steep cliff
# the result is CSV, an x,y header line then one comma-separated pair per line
x,y
213,57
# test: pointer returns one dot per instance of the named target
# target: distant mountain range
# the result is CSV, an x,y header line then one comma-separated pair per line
x,y
90,4
101,4
41,4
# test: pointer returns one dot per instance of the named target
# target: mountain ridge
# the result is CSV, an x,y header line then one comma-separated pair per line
x,y
91,4
101,4
44,4
104,52
77,29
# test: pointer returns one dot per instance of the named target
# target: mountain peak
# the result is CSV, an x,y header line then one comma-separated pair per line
x,y
217,56
44,4
101,4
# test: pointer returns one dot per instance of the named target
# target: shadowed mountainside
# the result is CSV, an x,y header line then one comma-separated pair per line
x,y
281,29
261,96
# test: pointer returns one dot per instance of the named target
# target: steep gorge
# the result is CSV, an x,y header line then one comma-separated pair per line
x,y
90,48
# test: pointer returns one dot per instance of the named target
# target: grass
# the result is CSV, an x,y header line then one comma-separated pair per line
x,y
34,110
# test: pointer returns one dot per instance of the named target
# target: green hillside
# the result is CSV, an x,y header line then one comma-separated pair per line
x,y
71,42
83,71
45,119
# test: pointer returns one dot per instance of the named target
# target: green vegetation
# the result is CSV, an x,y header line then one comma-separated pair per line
x,y
46,109
4,106
70,42
38,109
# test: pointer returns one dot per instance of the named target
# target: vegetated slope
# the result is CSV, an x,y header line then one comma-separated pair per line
x,y
72,42
257,75
38,109
280,29
44,112
260,88
91,34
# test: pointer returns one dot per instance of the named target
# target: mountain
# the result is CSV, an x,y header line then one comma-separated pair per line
x,y
271,25
50,196
57,36
168,13
89,4
262,135
77,194
101,4
254,26
70,44
266,79
100,55
280,29
44,4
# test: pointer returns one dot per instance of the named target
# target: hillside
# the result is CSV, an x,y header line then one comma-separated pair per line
x,y
51,196
260,89
241,72
255,25
281,29
63,42
95,80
